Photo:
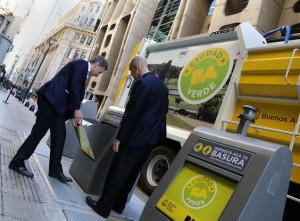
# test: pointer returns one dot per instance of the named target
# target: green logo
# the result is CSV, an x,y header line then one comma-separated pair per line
x,y
204,76
199,191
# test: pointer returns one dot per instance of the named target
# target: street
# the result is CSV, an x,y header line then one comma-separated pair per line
x,y
42,197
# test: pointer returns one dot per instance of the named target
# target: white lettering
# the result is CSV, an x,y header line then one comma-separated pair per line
x,y
195,203
194,93
189,90
200,93
235,160
214,153
212,85
228,157
206,90
241,163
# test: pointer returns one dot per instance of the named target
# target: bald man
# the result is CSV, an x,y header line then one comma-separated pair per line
x,y
142,128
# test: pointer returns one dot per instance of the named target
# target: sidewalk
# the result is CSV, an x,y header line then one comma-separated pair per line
x,y
42,197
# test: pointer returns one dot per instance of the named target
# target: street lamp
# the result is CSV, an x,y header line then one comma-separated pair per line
x,y
51,41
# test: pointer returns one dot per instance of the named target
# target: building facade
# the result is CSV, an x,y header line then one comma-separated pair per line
x,y
19,10
124,23
74,38
8,30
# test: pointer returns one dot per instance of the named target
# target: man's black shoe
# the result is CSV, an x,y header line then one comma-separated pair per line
x,y
118,210
21,170
61,177
93,204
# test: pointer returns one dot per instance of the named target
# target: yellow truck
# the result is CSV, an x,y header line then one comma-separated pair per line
x,y
210,78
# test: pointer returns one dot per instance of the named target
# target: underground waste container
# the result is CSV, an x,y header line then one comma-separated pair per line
x,y
90,165
72,145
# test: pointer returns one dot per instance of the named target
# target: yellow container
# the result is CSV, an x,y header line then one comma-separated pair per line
x,y
273,115
263,74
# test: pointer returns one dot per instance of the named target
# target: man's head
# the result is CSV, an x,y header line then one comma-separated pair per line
x,y
98,65
138,66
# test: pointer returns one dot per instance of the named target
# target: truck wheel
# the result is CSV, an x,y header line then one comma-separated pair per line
x,y
155,167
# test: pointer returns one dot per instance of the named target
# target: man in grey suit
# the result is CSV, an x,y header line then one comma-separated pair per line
x,y
142,128
58,100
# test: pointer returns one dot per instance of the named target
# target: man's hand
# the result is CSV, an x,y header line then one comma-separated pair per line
x,y
116,145
77,117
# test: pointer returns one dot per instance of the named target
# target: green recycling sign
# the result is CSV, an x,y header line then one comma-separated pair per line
x,y
199,191
196,193
204,76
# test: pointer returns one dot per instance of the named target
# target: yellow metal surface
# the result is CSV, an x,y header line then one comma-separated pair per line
x,y
273,115
84,142
122,81
263,74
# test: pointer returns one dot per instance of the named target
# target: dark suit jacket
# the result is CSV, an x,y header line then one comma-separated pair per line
x,y
65,91
144,120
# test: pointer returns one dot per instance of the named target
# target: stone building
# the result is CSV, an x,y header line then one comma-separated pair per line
x,y
124,23
13,15
6,19
8,30
74,38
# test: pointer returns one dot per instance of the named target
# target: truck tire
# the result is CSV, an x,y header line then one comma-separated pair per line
x,y
155,167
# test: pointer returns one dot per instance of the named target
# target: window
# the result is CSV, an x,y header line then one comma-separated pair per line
x,y
89,41
295,29
107,41
97,9
92,21
92,8
5,27
233,25
234,7
77,54
296,7
83,55
83,39
78,18
93,84
77,37
71,53
212,7
163,20
83,7
1,19
112,26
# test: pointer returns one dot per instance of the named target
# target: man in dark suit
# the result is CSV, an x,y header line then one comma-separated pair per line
x,y
58,100
143,127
